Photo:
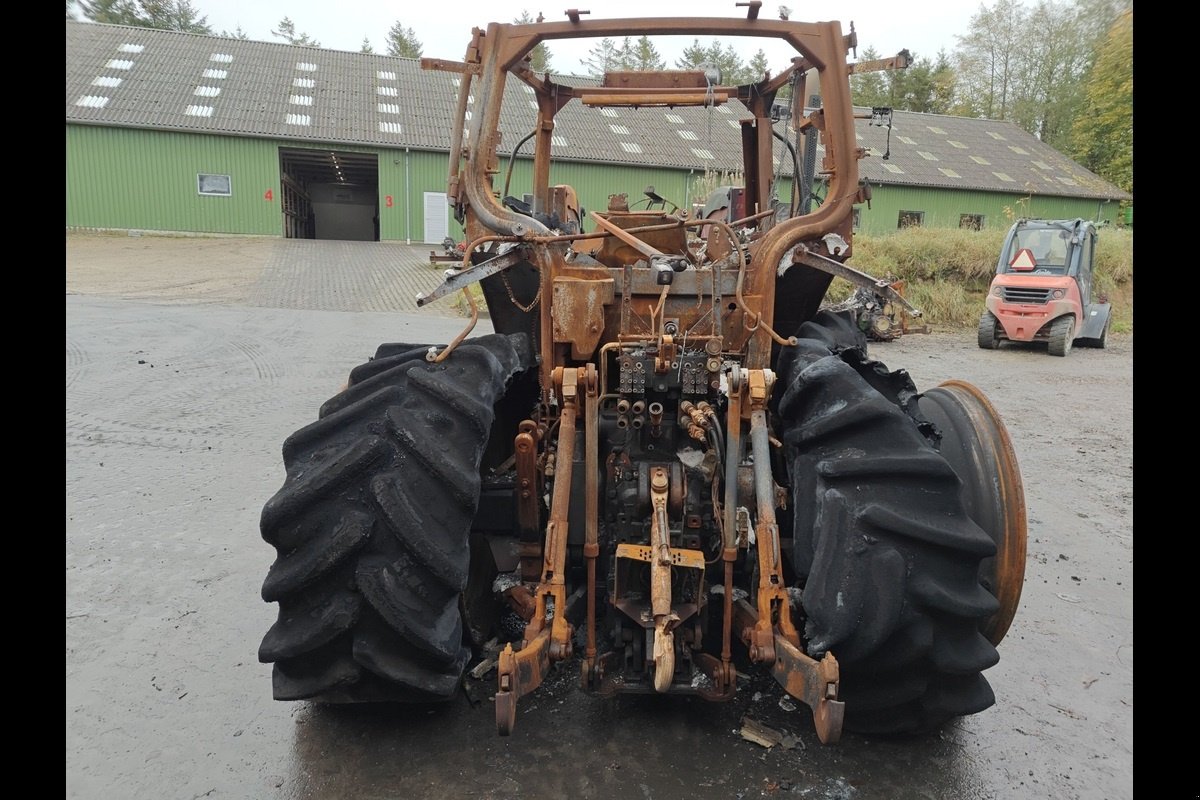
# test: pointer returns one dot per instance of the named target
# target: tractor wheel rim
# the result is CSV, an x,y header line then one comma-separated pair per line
x,y
977,445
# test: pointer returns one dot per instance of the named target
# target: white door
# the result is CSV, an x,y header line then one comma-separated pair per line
x,y
437,217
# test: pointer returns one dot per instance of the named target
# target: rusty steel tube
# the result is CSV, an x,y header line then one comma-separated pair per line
x,y
560,501
591,546
440,357
733,457
660,582
460,118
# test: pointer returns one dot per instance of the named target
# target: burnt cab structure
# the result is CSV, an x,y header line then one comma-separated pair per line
x,y
1043,289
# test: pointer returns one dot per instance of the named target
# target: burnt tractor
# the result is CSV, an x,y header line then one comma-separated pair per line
x,y
667,462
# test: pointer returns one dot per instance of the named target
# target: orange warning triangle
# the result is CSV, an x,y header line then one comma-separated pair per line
x,y
1024,260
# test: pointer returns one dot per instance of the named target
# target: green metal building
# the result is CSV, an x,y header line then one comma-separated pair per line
x,y
182,133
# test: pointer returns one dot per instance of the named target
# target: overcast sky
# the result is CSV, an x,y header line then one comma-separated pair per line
x,y
444,28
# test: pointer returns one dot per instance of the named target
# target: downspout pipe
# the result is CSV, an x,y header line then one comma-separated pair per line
x,y
407,203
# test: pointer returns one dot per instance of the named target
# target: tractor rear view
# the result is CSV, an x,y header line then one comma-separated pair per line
x,y
667,463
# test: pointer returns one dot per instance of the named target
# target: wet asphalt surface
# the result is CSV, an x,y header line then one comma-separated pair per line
x,y
176,409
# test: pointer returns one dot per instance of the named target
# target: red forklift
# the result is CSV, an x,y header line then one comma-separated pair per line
x,y
1043,289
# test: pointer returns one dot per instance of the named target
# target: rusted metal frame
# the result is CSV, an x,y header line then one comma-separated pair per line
x,y
772,85
771,592
751,160
814,683
757,147
715,272
774,615
806,37
456,138
625,236
520,672
443,65
650,92
461,279
744,220
799,90
768,630
673,79
747,312
644,97
505,45
541,85
546,262
554,568
527,489
660,581
751,7
549,103
485,128
902,60
591,544
841,161
802,255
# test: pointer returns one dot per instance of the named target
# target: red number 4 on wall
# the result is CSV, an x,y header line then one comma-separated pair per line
x,y
269,194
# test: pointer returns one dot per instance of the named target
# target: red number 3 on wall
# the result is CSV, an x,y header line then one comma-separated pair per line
x,y
387,201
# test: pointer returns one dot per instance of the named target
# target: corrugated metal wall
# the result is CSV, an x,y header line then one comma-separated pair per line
x,y
146,180
942,208
404,177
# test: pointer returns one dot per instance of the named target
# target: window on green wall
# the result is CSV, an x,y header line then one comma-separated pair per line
x,y
972,222
910,219
221,185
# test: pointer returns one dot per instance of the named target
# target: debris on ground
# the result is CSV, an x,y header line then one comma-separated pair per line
x,y
754,731
483,668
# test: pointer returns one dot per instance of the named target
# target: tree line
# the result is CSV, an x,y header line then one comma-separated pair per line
x,y
1060,69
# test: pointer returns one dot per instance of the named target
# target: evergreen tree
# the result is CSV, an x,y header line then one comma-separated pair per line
x,y
112,12
603,57
174,15
723,57
403,42
869,89
366,47
539,57
287,32
646,57
625,54
167,15
757,68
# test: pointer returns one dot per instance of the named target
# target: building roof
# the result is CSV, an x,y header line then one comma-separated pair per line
x,y
165,80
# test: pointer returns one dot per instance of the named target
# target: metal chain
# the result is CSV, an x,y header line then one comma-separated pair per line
x,y
532,304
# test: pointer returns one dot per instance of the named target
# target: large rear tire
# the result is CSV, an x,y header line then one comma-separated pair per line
x,y
371,527
885,552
